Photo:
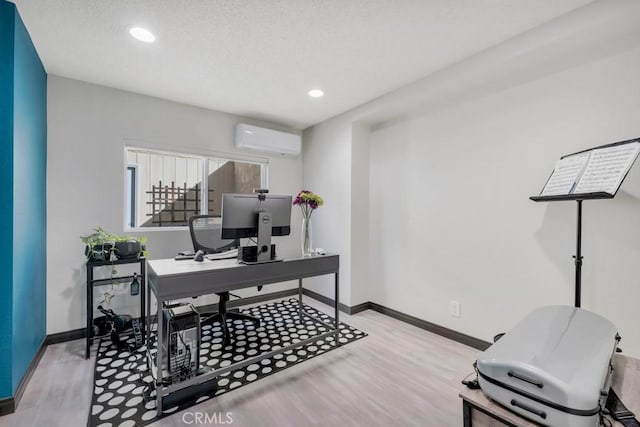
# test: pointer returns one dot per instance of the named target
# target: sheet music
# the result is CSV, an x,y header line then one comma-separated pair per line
x,y
607,168
565,175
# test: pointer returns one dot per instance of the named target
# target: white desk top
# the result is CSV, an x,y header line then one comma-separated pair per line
x,y
170,266
173,279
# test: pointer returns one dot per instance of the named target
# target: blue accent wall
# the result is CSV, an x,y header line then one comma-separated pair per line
x,y
29,201
7,21
23,165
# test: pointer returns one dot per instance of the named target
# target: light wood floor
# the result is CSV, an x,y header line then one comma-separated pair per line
x,y
397,376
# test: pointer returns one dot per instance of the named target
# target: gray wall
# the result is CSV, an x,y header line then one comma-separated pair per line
x,y
451,219
88,126
445,167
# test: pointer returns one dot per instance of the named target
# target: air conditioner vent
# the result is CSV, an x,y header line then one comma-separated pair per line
x,y
267,140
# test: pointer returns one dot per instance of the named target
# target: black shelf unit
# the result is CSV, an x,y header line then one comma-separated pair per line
x,y
91,283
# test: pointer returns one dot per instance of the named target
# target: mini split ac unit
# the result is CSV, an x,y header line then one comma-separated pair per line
x,y
267,140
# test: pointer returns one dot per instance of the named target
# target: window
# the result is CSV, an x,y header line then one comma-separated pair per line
x,y
131,196
164,189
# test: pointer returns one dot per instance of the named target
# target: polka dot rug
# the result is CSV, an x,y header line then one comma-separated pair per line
x,y
123,397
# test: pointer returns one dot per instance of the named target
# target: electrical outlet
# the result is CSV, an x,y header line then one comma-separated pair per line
x,y
454,308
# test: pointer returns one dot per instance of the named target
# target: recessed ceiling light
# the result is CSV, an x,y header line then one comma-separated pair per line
x,y
248,131
142,34
316,93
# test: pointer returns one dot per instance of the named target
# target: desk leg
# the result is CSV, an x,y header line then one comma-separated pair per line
x,y
147,330
466,414
143,293
337,319
300,300
89,309
159,357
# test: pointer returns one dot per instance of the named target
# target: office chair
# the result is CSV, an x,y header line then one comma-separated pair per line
x,y
205,235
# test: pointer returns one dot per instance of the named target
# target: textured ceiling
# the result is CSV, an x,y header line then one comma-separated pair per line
x,y
258,58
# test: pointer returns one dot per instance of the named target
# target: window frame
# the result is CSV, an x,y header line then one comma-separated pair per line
x,y
203,156
131,194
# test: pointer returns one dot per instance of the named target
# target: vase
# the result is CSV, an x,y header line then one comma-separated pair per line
x,y
306,237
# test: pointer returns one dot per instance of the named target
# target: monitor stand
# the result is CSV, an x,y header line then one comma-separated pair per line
x,y
247,255
264,251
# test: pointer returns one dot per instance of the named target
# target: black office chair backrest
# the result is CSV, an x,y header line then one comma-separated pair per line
x,y
205,235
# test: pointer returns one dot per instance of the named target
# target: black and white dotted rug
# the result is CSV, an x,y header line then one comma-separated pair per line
x,y
121,393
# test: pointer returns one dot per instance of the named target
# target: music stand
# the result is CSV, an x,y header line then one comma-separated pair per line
x,y
596,173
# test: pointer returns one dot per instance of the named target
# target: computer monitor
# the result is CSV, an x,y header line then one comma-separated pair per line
x,y
258,215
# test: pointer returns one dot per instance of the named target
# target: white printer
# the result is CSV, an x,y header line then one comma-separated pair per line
x,y
554,367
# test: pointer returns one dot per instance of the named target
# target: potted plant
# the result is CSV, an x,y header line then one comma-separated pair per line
x,y
99,245
130,247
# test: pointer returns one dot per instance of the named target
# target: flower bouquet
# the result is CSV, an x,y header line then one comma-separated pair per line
x,y
308,202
